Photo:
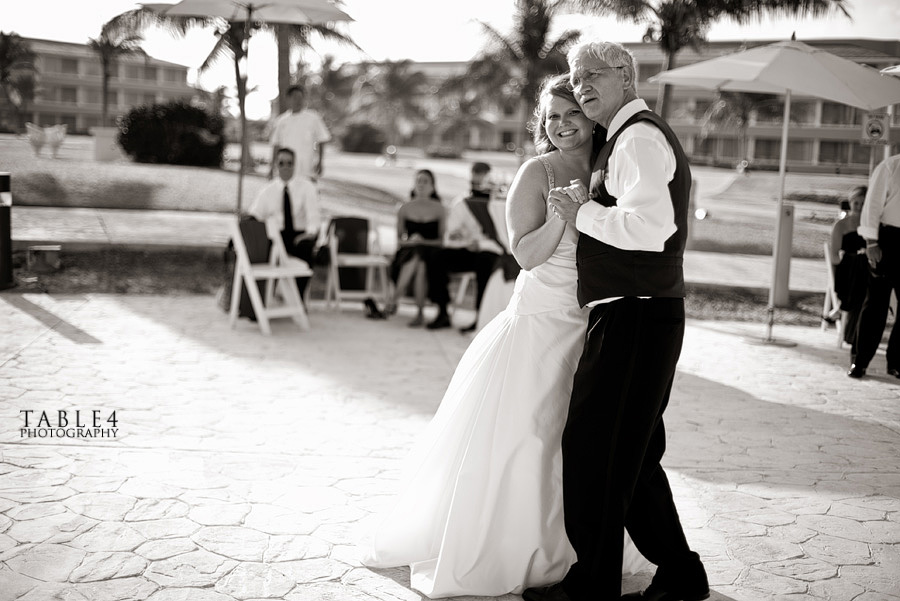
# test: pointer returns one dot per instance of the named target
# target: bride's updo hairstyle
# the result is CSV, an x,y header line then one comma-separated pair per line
x,y
555,85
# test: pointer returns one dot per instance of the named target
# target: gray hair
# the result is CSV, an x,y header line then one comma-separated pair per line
x,y
611,53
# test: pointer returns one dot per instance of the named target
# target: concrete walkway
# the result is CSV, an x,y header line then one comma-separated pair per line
x,y
96,228
245,467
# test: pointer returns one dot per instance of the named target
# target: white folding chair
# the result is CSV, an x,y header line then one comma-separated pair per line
x,y
280,268
832,306
348,247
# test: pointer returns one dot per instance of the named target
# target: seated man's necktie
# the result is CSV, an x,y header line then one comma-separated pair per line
x,y
288,214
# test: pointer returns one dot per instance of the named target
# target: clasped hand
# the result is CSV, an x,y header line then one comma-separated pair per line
x,y
565,201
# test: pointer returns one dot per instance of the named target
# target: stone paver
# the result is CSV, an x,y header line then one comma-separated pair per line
x,y
246,467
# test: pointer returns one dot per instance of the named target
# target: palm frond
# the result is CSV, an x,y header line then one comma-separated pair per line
x,y
637,11
502,44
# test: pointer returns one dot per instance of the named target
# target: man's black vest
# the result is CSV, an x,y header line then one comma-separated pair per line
x,y
605,271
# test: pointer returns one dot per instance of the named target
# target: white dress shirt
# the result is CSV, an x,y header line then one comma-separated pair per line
x,y
463,229
640,168
268,206
882,200
302,132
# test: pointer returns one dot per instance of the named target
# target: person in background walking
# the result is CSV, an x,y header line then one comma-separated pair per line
x,y
879,224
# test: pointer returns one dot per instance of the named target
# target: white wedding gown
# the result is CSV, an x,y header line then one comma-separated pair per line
x,y
481,510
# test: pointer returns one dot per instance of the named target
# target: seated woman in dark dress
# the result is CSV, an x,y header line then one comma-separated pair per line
x,y
420,229
851,271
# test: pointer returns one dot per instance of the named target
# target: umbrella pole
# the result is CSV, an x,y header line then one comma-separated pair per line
x,y
779,224
242,101
776,255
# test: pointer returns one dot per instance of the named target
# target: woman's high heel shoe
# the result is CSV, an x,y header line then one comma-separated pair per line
x,y
372,310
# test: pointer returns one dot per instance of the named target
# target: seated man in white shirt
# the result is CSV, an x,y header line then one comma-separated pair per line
x,y
467,247
289,205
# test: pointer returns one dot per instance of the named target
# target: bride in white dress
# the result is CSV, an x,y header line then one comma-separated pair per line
x,y
481,510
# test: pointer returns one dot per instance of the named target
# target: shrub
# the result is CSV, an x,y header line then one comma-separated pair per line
x,y
363,137
174,133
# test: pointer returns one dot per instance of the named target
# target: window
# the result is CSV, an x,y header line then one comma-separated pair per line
x,y
133,72
68,95
112,98
729,148
173,75
149,98
861,153
52,64
150,73
768,148
839,114
92,69
798,150
832,152
68,120
803,112
69,65
772,113
506,138
93,96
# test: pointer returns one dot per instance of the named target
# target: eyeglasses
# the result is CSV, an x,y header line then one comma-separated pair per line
x,y
578,77
285,164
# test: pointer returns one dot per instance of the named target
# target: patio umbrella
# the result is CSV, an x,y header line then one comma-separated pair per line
x,y
296,12
788,68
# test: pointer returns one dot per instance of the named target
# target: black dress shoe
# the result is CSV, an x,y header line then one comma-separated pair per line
x,y
441,321
554,592
658,593
856,371
469,328
893,371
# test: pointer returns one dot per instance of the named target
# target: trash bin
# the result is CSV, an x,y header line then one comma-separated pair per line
x,y
6,271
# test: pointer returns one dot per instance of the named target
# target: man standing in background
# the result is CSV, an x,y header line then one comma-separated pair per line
x,y
879,224
303,131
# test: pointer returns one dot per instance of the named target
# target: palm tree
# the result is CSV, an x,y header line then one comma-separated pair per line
x,y
230,44
390,97
17,73
677,24
291,36
122,35
515,64
332,92
117,38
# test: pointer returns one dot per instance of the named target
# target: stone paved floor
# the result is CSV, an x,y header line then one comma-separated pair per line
x,y
245,467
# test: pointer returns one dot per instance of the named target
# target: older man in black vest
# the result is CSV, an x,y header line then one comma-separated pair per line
x,y
630,271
